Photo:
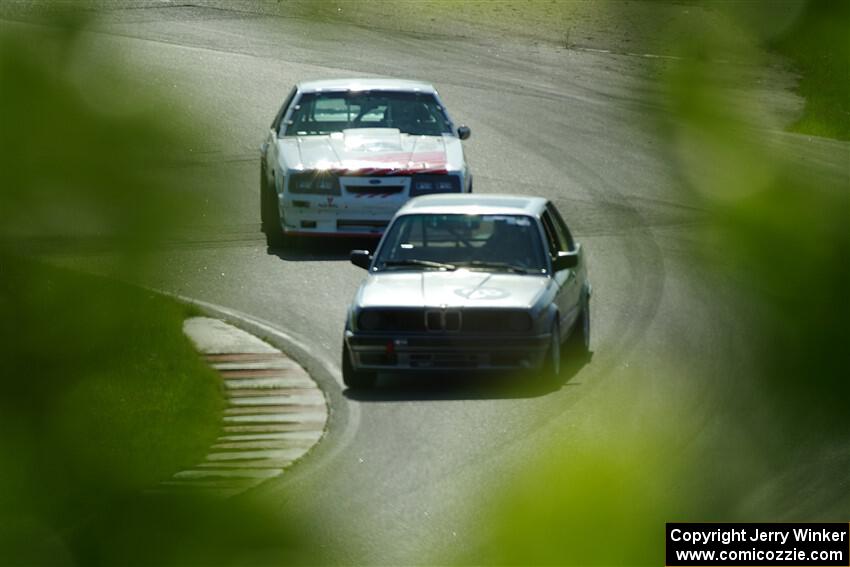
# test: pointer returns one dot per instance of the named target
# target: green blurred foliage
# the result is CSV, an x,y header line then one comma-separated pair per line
x,y
192,530
103,374
600,498
778,230
82,150
75,174
102,394
776,443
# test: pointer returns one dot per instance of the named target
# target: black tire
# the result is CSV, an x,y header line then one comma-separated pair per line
x,y
355,379
580,336
270,213
552,364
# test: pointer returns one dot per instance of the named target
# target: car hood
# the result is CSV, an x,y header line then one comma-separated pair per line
x,y
371,150
459,289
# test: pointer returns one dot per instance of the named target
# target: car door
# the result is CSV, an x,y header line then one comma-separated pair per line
x,y
569,292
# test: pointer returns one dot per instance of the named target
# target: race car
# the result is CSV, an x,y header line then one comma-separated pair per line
x,y
469,283
342,156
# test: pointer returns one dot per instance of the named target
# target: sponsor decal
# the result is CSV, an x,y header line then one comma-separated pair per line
x,y
481,293
392,164
375,194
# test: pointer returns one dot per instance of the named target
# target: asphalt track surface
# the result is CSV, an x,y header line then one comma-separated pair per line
x,y
407,471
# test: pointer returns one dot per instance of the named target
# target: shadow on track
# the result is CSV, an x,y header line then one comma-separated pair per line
x,y
307,249
434,386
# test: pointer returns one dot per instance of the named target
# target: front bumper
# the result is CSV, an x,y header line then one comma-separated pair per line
x,y
445,351
342,222
360,206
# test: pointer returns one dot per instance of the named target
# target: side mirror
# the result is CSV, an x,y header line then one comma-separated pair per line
x,y
463,132
565,260
361,258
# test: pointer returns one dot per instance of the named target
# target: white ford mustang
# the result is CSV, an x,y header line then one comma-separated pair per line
x,y
342,156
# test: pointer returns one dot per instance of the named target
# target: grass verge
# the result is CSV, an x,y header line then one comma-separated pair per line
x,y
818,46
103,394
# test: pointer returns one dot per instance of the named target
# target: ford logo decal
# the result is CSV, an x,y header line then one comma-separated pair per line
x,y
374,181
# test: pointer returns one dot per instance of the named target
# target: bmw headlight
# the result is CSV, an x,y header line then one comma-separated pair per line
x,y
519,321
369,320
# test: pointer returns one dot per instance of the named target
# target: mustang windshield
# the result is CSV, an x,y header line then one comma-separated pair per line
x,y
477,242
324,113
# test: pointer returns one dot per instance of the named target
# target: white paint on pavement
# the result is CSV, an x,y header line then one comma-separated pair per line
x,y
212,336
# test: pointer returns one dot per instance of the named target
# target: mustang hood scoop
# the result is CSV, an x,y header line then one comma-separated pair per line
x,y
371,140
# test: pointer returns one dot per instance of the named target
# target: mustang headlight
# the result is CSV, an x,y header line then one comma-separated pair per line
x,y
326,183
426,184
302,184
313,182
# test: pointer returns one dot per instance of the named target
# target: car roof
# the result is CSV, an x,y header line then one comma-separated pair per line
x,y
467,203
366,84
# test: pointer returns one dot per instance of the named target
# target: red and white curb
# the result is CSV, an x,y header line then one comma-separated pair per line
x,y
275,414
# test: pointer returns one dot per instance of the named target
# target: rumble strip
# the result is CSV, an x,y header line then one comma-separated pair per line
x,y
275,414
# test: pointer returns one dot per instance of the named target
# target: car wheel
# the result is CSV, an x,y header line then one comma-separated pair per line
x,y
355,379
270,212
580,337
552,364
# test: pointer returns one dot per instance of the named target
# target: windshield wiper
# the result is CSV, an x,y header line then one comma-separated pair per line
x,y
498,265
423,263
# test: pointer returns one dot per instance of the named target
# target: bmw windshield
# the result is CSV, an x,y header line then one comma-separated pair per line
x,y
509,243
